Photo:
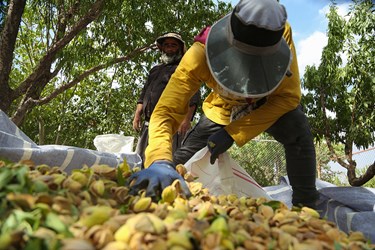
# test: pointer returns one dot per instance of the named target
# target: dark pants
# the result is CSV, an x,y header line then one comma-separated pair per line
x,y
143,142
292,131
195,140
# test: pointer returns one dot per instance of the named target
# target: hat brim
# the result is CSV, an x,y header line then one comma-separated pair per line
x,y
242,74
160,40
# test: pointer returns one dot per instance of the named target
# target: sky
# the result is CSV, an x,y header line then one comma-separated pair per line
x,y
309,26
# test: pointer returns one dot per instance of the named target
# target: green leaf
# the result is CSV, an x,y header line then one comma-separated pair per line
x,y
120,178
18,219
34,243
22,176
337,246
16,188
6,176
53,221
274,204
39,186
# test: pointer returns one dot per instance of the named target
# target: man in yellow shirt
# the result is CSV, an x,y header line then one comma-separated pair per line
x,y
248,59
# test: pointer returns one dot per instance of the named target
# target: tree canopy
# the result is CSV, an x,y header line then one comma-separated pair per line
x,y
340,98
78,65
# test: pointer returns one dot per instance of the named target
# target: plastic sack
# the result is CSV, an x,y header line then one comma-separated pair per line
x,y
225,176
114,143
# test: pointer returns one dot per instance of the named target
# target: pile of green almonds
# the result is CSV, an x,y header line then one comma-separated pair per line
x,y
91,208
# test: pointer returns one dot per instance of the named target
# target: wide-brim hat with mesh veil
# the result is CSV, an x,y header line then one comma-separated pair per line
x,y
175,35
246,52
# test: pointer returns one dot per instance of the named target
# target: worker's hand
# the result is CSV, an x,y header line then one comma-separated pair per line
x,y
218,143
155,178
137,123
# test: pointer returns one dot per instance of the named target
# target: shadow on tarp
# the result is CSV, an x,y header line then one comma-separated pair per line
x,y
17,146
351,208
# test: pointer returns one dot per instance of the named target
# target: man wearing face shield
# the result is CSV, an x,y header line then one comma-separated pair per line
x,y
249,61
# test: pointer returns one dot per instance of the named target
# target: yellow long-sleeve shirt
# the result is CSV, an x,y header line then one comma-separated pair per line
x,y
187,79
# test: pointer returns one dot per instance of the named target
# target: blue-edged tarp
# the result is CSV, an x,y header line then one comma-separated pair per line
x,y
17,146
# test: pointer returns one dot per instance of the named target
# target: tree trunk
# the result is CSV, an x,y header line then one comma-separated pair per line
x,y
34,84
8,38
41,130
33,93
319,171
356,182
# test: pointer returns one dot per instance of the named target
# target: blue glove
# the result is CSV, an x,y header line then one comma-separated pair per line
x,y
218,143
155,178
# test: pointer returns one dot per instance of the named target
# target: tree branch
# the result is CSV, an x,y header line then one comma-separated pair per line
x,y
368,175
86,74
90,16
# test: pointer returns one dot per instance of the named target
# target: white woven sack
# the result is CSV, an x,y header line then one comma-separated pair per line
x,y
225,176
114,143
